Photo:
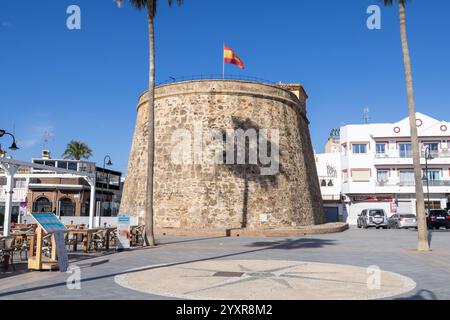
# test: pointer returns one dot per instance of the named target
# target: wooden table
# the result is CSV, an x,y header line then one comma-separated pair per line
x,y
86,233
26,235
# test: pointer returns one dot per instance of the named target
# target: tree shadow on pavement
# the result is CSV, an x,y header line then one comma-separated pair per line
x,y
285,244
289,244
421,295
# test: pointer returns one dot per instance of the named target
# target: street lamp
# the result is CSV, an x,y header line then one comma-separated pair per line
x,y
109,163
13,146
426,177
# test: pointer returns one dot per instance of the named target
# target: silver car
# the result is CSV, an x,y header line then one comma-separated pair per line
x,y
402,221
372,218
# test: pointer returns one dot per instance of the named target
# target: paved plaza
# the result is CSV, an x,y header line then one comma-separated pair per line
x,y
331,266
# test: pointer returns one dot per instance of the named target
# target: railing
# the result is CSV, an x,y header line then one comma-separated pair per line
x,y
214,77
408,155
435,183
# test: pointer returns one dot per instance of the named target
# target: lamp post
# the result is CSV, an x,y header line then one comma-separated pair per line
x,y
13,146
10,171
109,163
428,156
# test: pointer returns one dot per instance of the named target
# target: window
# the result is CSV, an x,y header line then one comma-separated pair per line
x,y
405,150
66,207
381,148
323,183
2,181
35,181
114,180
62,164
330,183
72,166
433,147
433,174
382,175
359,148
42,205
20,183
102,177
362,175
49,163
373,213
407,177
86,167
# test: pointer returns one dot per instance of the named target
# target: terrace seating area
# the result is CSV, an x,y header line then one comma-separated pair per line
x,y
79,240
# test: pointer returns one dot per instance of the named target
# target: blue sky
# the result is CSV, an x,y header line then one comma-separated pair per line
x,y
84,84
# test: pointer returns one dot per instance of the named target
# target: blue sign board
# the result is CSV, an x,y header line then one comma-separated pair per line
x,y
49,222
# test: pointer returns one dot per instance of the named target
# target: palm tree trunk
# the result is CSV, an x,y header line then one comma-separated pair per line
x,y
421,220
149,233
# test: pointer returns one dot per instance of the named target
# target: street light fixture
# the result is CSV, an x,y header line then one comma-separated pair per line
x,y
109,163
426,177
13,146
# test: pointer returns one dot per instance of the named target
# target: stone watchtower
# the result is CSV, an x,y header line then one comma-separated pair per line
x,y
198,185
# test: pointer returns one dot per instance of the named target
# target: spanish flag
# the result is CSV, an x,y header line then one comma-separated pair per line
x,y
231,57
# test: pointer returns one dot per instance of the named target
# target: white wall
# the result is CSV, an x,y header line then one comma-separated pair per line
x,y
325,161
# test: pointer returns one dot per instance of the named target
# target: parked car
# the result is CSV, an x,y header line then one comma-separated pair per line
x,y
402,221
372,218
438,218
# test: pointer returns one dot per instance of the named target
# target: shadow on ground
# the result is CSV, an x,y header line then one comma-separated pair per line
x,y
290,244
284,245
421,295
21,266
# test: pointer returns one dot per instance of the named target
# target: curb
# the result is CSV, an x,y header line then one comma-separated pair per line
x,y
285,232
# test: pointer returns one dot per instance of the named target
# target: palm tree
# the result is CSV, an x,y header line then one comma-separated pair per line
x,y
150,5
421,219
77,150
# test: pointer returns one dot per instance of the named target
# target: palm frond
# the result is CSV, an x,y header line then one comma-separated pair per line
x,y
391,2
77,150
179,2
143,4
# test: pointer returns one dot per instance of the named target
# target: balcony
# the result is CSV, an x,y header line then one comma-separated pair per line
x,y
408,154
436,183
437,186
405,157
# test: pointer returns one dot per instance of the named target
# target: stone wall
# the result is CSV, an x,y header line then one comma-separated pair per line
x,y
220,196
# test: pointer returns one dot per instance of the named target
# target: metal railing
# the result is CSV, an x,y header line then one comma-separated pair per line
x,y
435,183
215,77
408,155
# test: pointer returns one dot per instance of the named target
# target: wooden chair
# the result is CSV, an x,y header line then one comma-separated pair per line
x,y
98,240
70,239
137,235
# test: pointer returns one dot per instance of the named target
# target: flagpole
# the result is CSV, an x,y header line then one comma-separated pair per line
x,y
223,61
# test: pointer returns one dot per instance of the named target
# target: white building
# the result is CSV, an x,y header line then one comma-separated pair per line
x,y
376,166
19,198
65,194
329,172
